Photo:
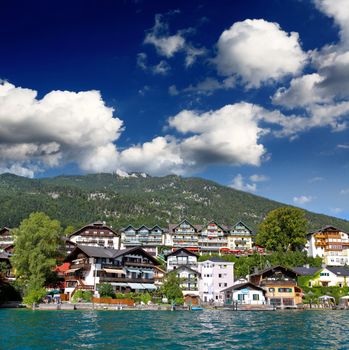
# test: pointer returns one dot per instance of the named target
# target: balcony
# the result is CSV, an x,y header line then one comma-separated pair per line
x,y
171,263
278,283
126,280
140,264
222,241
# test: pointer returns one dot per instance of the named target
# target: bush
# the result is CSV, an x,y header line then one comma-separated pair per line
x,y
34,296
106,290
85,296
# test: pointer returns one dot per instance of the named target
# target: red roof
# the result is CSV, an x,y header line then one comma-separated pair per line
x,y
62,268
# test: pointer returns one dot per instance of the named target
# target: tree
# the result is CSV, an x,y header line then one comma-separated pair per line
x,y
283,229
38,245
106,290
171,288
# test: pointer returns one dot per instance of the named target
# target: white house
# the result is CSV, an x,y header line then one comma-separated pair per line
x,y
244,293
216,274
331,276
189,280
181,257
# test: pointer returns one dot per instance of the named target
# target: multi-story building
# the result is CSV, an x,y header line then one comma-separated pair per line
x,y
189,279
240,237
330,244
181,257
213,238
149,238
129,269
184,235
6,238
97,234
216,274
280,284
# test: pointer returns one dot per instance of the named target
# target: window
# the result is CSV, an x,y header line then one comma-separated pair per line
x,y
272,290
255,296
219,284
225,284
285,290
219,275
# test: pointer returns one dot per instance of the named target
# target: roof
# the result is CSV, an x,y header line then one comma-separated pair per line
x,y
185,267
5,229
181,251
96,225
217,259
150,228
273,268
306,271
325,228
102,252
339,270
171,227
243,286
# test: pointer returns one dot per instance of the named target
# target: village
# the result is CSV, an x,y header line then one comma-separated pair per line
x,y
138,260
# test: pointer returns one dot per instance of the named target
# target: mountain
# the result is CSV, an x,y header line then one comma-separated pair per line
x,y
135,199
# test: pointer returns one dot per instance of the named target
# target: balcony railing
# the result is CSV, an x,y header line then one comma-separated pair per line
x,y
182,263
126,280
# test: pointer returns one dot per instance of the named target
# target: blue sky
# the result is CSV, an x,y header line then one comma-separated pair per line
x,y
251,94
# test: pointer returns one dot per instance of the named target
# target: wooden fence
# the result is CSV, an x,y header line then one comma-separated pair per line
x,y
128,302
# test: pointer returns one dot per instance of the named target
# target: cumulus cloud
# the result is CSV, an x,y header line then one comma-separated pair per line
x,y
161,68
259,178
259,52
239,184
302,199
228,135
61,127
168,45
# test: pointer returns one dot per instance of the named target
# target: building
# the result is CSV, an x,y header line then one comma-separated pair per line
x,y
189,280
213,238
97,234
244,293
6,238
181,257
329,276
184,235
240,238
329,243
159,275
216,274
6,265
127,270
280,284
149,238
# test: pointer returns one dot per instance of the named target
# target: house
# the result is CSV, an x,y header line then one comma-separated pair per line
x,y
329,243
183,235
97,234
240,237
244,293
213,238
181,257
6,238
189,279
149,238
216,274
127,270
329,276
159,275
6,265
280,284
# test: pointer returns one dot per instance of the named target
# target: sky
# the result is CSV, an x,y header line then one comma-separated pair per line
x,y
250,94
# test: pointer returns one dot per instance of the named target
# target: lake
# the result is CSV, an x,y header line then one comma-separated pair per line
x,y
208,329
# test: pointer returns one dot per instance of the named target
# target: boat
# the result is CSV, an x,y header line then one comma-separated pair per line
x,y
197,308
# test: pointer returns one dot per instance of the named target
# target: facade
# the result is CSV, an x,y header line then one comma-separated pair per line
x,y
159,275
280,284
5,261
189,280
126,270
181,257
240,237
244,293
97,234
216,274
184,235
6,238
330,276
330,244
212,238
149,238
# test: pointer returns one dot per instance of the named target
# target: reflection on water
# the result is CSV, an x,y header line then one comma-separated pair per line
x,y
209,329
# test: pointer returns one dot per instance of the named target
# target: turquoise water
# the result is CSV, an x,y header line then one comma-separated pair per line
x,y
208,329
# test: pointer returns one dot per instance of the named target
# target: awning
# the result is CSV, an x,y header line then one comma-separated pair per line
x,y
135,286
134,270
119,284
73,270
149,286
148,272
115,271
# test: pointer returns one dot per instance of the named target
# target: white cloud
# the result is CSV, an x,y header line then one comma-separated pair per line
x,y
168,45
142,60
61,127
239,184
259,178
342,146
302,199
344,191
228,135
161,68
316,179
259,52
336,210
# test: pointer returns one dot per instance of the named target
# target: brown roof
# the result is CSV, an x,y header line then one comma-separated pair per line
x,y
95,225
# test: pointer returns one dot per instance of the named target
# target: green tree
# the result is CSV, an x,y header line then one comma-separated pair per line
x,y
283,229
38,243
171,288
106,290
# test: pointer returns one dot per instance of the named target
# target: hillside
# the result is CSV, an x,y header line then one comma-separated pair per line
x,y
138,199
